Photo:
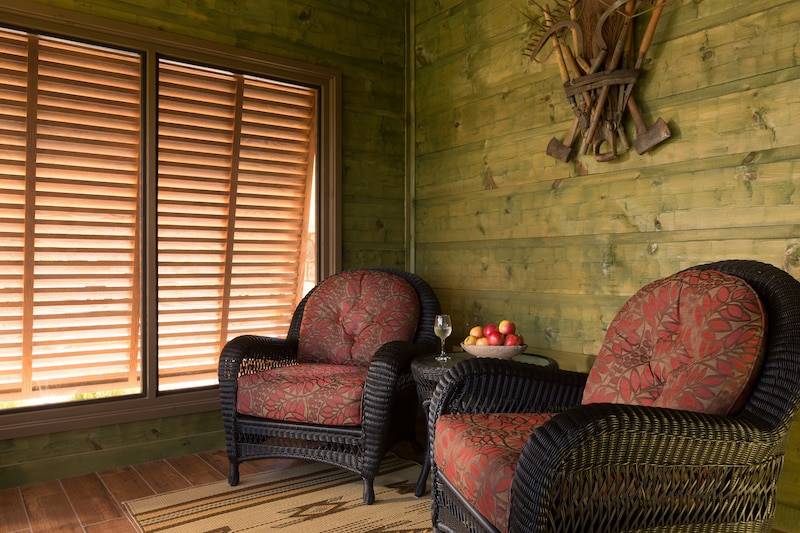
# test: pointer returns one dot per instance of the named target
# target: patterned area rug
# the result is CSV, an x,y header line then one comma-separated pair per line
x,y
311,498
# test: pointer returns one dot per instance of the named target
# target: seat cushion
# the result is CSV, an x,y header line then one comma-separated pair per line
x,y
350,315
478,453
692,341
312,393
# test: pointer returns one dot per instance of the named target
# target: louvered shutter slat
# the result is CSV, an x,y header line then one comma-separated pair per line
x,y
233,166
69,196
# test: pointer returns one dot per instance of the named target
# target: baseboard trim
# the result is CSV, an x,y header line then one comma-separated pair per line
x,y
51,468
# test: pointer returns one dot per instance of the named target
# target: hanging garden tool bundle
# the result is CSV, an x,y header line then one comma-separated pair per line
x,y
593,43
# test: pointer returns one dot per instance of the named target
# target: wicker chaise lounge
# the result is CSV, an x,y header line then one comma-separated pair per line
x,y
338,388
680,426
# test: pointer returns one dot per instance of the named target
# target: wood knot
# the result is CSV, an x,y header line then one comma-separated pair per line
x,y
749,158
792,259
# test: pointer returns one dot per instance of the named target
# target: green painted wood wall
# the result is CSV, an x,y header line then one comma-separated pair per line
x,y
502,230
57,455
365,40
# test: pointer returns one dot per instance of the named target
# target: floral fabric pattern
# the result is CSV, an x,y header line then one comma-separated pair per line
x,y
692,341
478,453
350,315
312,393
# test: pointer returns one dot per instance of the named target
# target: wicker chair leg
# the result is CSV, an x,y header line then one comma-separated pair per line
x,y
422,481
233,472
369,491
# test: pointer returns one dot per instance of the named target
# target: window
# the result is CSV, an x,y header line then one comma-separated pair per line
x,y
235,167
158,197
70,131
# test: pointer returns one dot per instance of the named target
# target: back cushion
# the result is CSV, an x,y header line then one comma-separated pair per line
x,y
692,341
350,315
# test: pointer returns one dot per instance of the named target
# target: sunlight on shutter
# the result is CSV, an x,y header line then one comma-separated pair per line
x,y
70,130
236,156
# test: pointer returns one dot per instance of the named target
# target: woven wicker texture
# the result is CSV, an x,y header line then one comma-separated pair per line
x,y
614,467
388,406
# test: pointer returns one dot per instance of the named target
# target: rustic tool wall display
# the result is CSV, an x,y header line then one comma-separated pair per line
x,y
593,43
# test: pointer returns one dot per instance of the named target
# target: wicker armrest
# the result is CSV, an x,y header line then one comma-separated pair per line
x,y
391,360
251,353
497,386
627,464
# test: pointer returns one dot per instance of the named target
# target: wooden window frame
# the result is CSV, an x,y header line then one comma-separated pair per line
x,y
154,44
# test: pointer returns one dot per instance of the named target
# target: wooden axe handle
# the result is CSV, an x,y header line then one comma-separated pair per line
x,y
630,8
647,39
573,132
636,114
562,66
572,68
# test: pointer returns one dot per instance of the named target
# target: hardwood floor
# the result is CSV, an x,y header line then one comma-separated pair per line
x,y
92,503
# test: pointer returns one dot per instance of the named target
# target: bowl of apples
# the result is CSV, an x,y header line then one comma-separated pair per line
x,y
499,340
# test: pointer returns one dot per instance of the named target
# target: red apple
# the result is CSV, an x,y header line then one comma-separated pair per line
x,y
513,340
476,332
506,327
488,329
496,338
483,341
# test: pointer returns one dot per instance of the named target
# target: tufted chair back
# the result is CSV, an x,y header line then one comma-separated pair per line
x,y
692,341
350,315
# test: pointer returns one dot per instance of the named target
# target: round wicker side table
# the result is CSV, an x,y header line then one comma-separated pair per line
x,y
427,372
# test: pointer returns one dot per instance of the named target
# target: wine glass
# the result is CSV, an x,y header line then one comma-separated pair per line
x,y
442,327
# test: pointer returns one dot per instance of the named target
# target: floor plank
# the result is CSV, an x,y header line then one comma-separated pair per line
x,y
161,476
125,484
197,471
12,512
49,509
219,460
90,499
118,525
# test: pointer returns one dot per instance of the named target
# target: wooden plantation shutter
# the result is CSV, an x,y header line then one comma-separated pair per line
x,y
70,131
235,157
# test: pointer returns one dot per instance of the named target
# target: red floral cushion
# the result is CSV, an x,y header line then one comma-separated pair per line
x,y
312,393
350,315
692,341
478,453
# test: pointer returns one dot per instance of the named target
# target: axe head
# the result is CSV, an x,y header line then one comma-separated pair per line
x,y
655,135
559,150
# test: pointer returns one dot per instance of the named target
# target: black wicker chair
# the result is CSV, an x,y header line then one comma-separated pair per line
x,y
615,467
388,404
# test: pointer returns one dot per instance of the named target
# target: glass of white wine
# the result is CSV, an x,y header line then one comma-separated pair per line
x,y
442,327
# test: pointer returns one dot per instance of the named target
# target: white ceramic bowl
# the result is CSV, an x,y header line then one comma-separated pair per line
x,y
500,352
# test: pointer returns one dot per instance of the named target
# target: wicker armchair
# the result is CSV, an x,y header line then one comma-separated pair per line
x,y
359,405
618,467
